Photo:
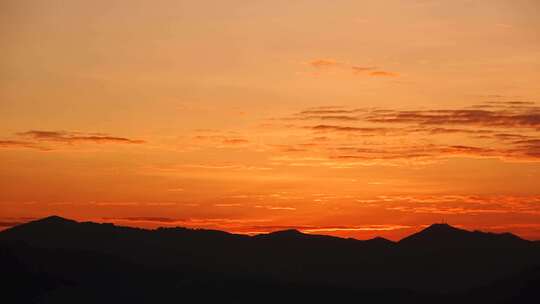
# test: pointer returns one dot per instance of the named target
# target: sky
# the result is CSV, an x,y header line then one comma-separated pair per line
x,y
348,118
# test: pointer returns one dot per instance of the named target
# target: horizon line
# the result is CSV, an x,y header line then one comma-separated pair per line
x,y
253,234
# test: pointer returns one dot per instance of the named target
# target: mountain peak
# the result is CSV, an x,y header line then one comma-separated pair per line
x,y
440,233
287,232
282,234
442,227
443,235
44,231
380,240
54,219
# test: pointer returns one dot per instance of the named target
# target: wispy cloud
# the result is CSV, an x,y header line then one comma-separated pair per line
x,y
362,69
457,204
235,141
383,74
147,219
324,63
372,71
506,130
49,140
505,115
364,130
269,207
20,144
219,137
319,111
356,228
74,137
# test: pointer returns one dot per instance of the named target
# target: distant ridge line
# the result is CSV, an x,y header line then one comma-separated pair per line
x,y
441,226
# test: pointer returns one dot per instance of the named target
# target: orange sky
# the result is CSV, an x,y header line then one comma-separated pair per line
x,y
351,118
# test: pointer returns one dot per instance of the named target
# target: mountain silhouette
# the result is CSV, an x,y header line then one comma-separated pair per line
x,y
289,233
446,236
56,260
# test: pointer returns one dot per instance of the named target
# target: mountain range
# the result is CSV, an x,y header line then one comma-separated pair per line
x,y
57,260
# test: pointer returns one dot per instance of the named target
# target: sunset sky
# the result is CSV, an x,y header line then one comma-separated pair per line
x,y
345,117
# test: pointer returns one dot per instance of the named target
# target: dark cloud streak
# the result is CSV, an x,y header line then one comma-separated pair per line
x,y
44,140
73,137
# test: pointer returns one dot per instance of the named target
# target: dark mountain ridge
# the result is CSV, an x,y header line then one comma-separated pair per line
x,y
432,235
445,236
439,260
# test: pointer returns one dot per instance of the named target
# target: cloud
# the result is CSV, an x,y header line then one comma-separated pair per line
x,y
512,103
289,148
19,144
433,151
331,117
348,129
383,74
47,140
116,203
507,130
528,142
324,63
356,228
260,229
228,205
522,118
529,147
456,204
145,219
447,210
227,224
360,69
220,138
276,207
251,226
326,111
235,141
508,136
327,114
75,137
180,169
466,150
439,130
